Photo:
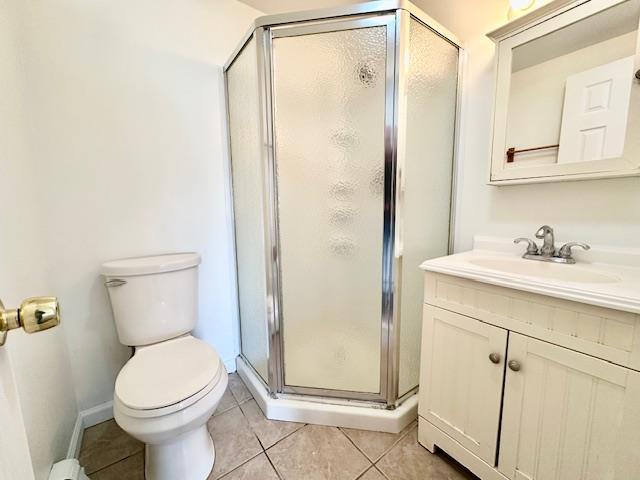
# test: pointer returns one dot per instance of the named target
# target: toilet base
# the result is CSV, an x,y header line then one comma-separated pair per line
x,y
187,457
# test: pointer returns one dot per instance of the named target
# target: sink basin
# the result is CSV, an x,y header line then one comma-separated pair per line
x,y
550,271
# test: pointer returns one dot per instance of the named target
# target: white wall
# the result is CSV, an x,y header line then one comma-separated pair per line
x,y
37,400
126,127
598,211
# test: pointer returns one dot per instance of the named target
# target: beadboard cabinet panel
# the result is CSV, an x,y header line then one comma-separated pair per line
x,y
461,388
565,416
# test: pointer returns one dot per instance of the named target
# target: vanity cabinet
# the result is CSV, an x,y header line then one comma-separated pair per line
x,y
514,402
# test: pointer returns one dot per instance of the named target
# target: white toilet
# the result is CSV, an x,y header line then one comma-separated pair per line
x,y
167,391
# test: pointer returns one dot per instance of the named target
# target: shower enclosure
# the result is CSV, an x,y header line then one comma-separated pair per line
x,y
342,133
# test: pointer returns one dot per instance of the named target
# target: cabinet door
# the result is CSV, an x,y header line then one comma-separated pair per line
x,y
568,416
460,386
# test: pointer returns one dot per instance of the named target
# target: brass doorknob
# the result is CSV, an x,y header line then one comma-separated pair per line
x,y
34,315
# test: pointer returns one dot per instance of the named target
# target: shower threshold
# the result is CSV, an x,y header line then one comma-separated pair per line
x,y
330,412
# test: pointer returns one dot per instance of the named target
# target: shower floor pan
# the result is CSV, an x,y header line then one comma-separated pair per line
x,y
328,411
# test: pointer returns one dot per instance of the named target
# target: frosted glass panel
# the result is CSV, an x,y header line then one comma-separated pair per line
x,y
248,191
426,185
329,125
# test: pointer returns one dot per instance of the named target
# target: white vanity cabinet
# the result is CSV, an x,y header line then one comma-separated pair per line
x,y
514,386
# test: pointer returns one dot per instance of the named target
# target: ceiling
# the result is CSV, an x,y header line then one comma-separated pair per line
x,y
463,17
282,6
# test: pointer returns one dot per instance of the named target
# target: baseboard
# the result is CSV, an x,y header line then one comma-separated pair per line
x,y
76,438
88,418
98,414
230,364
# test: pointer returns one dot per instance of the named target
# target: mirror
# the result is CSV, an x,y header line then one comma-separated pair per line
x,y
568,97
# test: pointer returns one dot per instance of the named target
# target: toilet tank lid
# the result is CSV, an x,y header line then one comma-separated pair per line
x,y
150,264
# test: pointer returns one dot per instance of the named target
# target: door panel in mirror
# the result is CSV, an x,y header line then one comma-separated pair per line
x,y
595,112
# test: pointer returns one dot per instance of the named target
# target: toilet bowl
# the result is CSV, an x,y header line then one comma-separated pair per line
x,y
165,394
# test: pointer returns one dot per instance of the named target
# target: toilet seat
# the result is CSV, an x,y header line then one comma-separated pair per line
x,y
167,377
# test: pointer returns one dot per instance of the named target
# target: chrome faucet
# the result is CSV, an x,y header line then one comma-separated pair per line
x,y
548,248
547,252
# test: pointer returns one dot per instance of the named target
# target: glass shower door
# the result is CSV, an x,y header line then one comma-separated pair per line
x,y
243,87
425,190
331,107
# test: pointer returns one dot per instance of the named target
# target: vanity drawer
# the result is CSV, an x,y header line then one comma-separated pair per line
x,y
604,333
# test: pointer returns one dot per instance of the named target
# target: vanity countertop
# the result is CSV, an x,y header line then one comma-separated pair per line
x,y
606,277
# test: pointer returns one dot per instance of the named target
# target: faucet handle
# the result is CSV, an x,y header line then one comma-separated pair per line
x,y
532,247
565,250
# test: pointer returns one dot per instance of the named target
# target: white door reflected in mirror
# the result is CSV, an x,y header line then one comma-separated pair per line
x,y
594,116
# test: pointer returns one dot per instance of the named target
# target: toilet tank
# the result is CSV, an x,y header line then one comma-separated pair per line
x,y
153,298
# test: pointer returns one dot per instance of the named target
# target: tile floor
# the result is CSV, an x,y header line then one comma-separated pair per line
x,y
250,447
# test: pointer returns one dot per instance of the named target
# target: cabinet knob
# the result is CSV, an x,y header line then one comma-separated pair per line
x,y
494,357
514,365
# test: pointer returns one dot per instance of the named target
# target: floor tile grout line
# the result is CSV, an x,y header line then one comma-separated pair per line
x,y
255,434
236,468
245,386
116,462
400,438
372,467
220,412
384,475
263,449
236,404
358,449
375,464
98,424
302,425
273,465
372,462
357,477
240,402
286,436
364,473
354,444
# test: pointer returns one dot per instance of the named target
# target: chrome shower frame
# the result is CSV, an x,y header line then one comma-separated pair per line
x,y
395,15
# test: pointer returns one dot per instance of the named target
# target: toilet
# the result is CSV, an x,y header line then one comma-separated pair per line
x,y
173,383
